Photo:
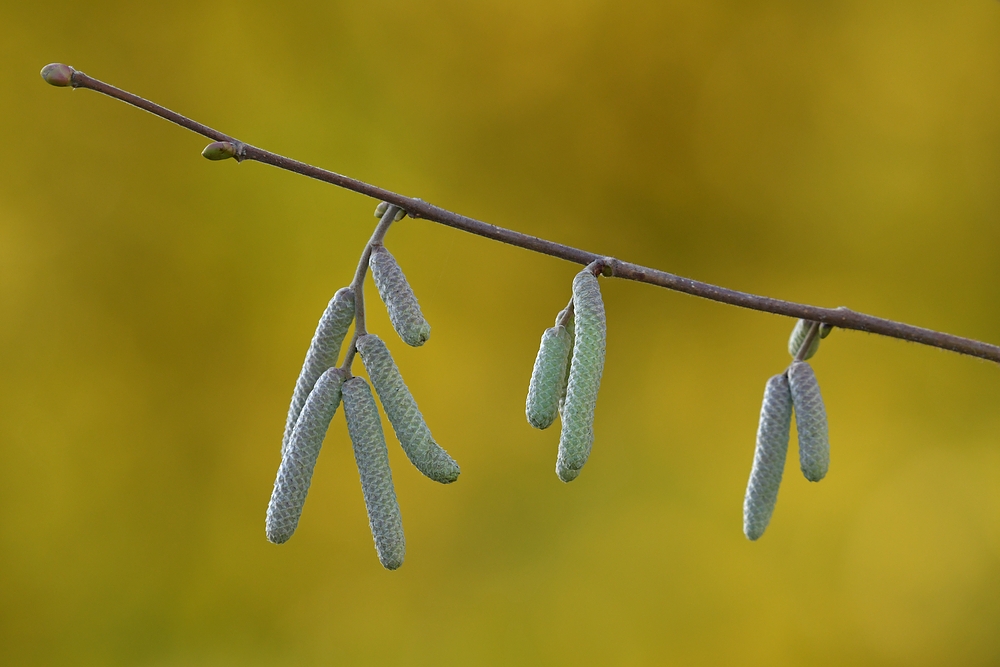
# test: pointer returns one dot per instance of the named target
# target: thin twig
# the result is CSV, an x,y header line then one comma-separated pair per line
x,y
843,318
800,354
358,283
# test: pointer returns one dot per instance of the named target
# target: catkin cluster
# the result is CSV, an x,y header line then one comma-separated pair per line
x,y
796,390
319,390
567,374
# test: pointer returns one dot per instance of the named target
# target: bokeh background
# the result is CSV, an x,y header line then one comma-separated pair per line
x,y
155,308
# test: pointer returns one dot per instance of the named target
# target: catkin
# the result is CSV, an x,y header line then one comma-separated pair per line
x,y
323,353
798,336
404,311
549,377
299,458
810,421
577,434
365,428
403,413
768,457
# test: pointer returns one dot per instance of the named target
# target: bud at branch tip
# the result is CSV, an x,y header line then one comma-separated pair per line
x,y
57,74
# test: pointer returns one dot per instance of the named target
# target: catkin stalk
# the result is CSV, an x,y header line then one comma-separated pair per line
x,y
585,371
549,377
403,413
798,336
769,456
398,297
810,421
365,428
299,458
323,353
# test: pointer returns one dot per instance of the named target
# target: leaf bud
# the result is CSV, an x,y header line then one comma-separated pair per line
x,y
219,150
57,74
384,206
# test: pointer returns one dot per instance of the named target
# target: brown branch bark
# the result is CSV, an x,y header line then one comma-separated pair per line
x,y
843,318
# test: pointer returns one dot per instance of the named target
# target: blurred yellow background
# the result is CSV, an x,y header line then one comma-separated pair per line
x,y
156,308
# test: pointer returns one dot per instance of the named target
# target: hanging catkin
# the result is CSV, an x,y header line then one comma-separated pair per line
x,y
549,376
404,311
768,457
323,353
403,413
365,428
299,458
577,434
798,336
810,421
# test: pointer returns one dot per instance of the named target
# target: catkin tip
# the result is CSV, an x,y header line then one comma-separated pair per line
x,y
393,564
567,474
277,538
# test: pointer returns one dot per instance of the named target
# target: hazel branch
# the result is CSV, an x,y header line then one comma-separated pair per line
x,y
843,318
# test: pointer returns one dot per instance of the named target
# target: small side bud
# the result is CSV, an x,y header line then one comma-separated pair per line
x,y
219,150
57,74
824,330
384,206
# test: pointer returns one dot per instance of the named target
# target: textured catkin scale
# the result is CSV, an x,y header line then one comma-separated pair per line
x,y
769,456
299,458
585,371
810,421
322,354
549,376
365,428
799,334
398,297
403,413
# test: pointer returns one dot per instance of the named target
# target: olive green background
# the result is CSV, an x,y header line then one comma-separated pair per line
x,y
155,308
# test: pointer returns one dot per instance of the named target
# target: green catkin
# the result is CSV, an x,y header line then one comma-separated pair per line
x,y
365,428
810,421
799,334
322,354
549,376
769,456
299,458
577,434
398,297
403,413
